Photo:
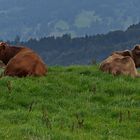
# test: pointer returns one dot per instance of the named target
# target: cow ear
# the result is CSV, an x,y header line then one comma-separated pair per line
x,y
137,47
2,45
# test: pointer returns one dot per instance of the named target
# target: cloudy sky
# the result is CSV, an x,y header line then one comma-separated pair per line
x,y
38,18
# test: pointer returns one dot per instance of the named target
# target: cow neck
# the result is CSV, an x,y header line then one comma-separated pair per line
x,y
133,57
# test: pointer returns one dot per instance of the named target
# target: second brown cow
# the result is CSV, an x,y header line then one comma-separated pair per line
x,y
120,63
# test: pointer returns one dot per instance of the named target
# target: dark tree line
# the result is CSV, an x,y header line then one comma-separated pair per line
x,y
66,50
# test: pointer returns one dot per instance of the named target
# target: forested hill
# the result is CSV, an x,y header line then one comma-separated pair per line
x,y
82,50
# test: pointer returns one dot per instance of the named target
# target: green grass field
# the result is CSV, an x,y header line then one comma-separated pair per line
x,y
70,103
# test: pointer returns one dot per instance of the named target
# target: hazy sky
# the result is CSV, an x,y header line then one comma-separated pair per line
x,y
37,18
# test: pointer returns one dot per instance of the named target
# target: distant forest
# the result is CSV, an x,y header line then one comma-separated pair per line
x,y
82,50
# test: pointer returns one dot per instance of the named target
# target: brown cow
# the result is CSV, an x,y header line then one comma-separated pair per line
x,y
21,61
120,63
134,54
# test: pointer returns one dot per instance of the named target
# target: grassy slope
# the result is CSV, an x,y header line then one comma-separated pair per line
x,y
77,102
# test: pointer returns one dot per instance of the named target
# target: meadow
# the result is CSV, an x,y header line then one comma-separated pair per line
x,y
70,103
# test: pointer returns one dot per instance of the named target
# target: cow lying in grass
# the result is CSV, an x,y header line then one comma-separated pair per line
x,y
21,61
123,62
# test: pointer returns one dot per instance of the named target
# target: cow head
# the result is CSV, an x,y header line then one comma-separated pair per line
x,y
2,49
136,55
2,46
